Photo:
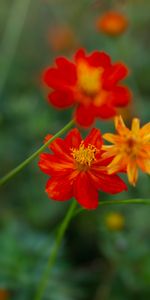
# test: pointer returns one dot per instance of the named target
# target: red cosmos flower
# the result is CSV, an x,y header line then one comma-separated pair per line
x,y
78,170
91,83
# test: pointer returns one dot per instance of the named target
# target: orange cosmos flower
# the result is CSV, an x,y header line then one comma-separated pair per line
x,y
61,38
4,294
112,23
78,170
131,149
91,83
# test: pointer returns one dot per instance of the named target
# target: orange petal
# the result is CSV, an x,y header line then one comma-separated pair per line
x,y
135,126
132,172
145,130
116,164
112,138
144,165
146,138
145,152
120,126
109,151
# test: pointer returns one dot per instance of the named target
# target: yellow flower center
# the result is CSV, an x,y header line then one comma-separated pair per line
x,y
89,78
84,156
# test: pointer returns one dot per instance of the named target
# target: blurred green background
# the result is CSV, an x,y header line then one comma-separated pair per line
x,y
96,261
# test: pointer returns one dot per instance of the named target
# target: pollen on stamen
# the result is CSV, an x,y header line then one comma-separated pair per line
x,y
84,156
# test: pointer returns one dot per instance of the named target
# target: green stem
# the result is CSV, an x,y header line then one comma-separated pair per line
x,y
61,231
53,254
11,37
129,201
16,170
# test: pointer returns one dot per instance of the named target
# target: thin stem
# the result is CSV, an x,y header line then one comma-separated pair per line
x,y
16,170
61,231
129,201
53,254
11,37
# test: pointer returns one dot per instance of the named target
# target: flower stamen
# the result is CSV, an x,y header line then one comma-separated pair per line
x,y
84,156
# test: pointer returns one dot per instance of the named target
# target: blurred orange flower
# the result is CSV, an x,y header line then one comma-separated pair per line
x,y
62,38
112,23
115,221
131,149
4,295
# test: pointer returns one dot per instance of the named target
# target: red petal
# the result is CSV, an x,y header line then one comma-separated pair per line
x,y
80,54
102,161
94,138
73,139
58,147
113,74
99,59
44,163
120,96
53,165
105,111
111,184
68,70
54,79
59,188
84,192
61,99
84,115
